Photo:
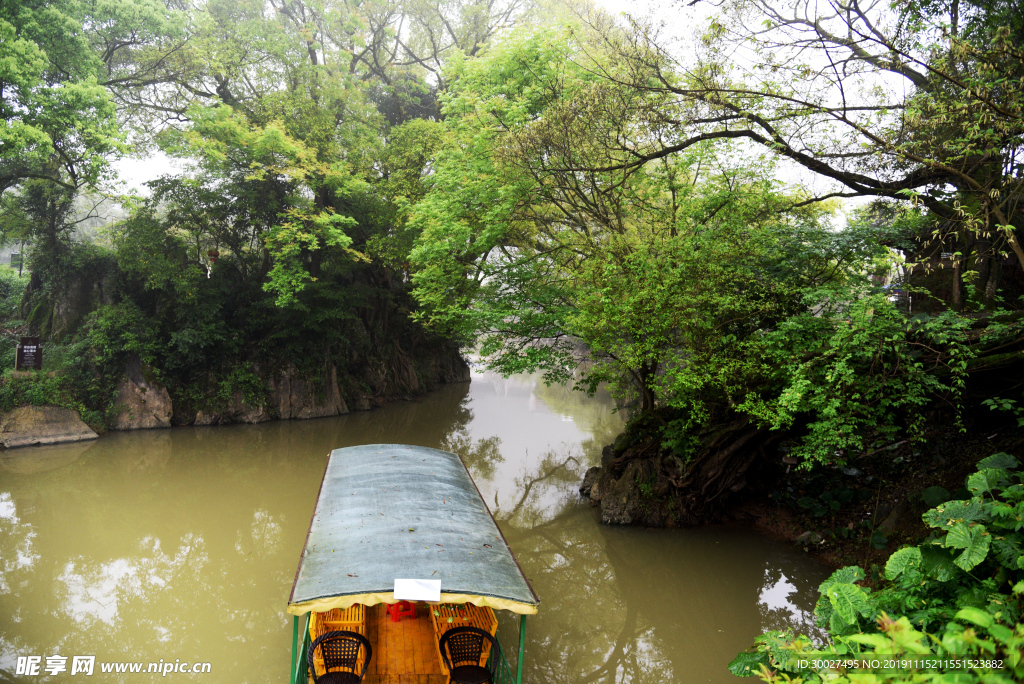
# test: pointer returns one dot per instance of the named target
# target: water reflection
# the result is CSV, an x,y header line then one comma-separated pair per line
x,y
183,544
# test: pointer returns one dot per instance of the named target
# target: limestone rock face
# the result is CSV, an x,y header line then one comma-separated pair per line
x,y
450,368
363,402
444,366
589,480
28,425
621,500
294,397
237,412
619,503
140,403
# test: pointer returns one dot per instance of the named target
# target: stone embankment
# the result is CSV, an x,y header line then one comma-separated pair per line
x,y
142,402
289,397
37,425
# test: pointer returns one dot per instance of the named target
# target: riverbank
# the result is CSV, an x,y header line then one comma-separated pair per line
x,y
142,402
863,512
857,513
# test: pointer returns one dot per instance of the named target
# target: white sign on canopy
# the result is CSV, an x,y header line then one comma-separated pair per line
x,y
418,590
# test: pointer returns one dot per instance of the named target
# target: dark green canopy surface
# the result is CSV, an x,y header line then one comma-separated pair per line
x,y
392,511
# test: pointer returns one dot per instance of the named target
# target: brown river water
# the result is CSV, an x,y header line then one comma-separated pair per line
x,y
182,544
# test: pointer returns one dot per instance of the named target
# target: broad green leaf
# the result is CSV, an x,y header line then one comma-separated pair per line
x,y
1000,633
938,563
848,601
974,541
823,608
837,625
945,515
1000,460
901,561
748,664
933,496
986,481
975,616
847,575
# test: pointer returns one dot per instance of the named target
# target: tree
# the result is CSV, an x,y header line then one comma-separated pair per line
x,y
525,254
58,123
727,305
814,84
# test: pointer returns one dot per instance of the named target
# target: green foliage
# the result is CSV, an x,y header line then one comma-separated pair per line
x,y
855,364
1007,406
12,287
115,331
958,597
38,390
53,108
827,502
252,197
695,283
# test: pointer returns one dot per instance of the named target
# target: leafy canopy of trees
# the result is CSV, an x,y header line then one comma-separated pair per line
x,y
572,195
306,129
562,211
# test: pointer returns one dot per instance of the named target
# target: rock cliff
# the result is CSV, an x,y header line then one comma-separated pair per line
x,y
30,425
141,402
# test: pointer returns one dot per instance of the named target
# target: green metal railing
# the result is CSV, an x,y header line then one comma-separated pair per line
x,y
300,670
503,672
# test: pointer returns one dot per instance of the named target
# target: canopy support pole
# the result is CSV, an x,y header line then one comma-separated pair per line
x,y
295,644
522,647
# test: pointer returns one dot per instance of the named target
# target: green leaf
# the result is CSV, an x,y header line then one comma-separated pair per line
x,y
945,515
902,560
933,496
1001,633
938,563
905,637
975,616
847,575
974,540
878,641
986,481
748,664
1001,460
848,601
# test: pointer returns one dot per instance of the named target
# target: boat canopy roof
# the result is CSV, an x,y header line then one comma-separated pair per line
x,y
392,511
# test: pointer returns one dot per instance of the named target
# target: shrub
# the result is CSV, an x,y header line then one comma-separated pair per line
x,y
951,605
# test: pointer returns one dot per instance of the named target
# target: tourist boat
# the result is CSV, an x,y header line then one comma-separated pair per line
x,y
390,522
